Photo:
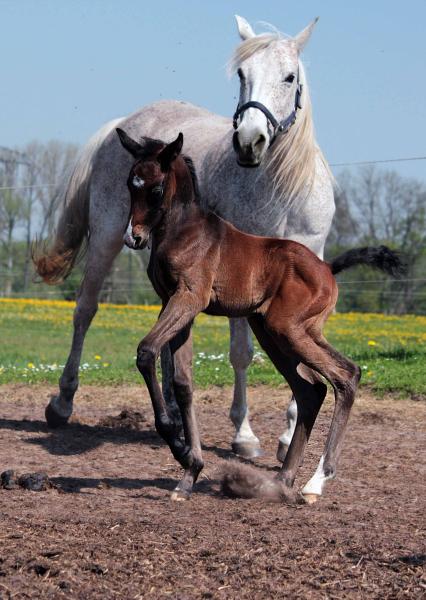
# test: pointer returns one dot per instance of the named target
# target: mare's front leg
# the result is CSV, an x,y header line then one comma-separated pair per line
x,y
177,315
181,348
245,443
99,260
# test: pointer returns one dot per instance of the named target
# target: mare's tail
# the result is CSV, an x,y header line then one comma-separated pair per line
x,y
380,257
54,264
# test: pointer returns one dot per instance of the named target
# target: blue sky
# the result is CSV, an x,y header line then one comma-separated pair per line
x,y
67,66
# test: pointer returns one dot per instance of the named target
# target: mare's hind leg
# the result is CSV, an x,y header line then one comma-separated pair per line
x,y
99,260
245,443
181,348
308,392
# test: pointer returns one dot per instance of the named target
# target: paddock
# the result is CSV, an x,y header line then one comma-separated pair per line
x,y
106,528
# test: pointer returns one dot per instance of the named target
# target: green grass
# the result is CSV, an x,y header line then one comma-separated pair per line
x,y
35,338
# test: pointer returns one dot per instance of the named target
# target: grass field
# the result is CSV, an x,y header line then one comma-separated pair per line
x,y
35,337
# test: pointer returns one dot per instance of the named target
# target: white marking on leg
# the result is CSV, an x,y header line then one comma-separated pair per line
x,y
287,436
316,484
241,354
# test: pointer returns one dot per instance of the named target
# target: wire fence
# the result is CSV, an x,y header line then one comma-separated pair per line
x,y
342,164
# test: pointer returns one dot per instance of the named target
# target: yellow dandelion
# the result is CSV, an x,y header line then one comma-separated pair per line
x,y
97,357
31,365
372,343
105,364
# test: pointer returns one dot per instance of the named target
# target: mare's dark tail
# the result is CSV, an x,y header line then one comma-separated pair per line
x,y
380,257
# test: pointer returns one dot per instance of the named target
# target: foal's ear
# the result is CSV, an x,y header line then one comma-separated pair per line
x,y
301,39
170,153
244,28
130,145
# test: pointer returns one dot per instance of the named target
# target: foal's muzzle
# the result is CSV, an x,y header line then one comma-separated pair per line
x,y
137,237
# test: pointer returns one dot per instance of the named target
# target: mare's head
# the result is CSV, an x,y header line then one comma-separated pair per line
x,y
159,176
271,89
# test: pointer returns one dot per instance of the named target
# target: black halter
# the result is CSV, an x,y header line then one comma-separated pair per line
x,y
277,126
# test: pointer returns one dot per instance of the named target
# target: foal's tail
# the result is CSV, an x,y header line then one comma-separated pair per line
x,y
380,257
54,264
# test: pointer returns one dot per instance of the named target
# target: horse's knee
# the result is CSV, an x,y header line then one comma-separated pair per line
x,y
145,359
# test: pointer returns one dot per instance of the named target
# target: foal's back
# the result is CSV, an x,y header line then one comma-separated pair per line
x,y
255,272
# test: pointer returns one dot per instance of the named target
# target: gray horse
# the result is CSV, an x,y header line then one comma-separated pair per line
x,y
266,175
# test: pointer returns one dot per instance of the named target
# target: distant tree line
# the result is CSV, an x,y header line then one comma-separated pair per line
x,y
376,207
372,207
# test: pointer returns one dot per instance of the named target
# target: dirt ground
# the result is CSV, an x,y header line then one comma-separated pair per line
x,y
108,530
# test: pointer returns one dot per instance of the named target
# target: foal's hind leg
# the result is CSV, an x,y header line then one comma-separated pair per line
x,y
344,376
245,443
99,260
309,394
285,439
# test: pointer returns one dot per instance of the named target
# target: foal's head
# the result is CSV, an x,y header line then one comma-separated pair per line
x,y
159,177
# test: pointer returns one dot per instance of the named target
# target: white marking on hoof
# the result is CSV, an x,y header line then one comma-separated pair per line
x,y
178,496
316,484
310,498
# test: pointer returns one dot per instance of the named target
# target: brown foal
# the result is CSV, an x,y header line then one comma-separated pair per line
x,y
201,263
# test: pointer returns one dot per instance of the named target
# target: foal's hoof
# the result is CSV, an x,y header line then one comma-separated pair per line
x,y
53,419
179,496
281,451
247,449
310,498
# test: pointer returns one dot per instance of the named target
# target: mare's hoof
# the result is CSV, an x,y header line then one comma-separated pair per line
x,y
310,498
53,419
247,449
179,496
281,451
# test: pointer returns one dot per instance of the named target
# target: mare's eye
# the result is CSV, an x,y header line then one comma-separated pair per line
x,y
290,78
240,74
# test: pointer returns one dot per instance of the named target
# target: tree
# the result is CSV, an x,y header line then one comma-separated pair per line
x,y
382,207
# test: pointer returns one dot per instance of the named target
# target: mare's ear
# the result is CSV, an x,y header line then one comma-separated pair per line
x,y
130,145
170,153
301,39
244,28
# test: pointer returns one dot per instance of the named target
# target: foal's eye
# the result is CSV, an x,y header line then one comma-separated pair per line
x,y
290,78
240,74
157,192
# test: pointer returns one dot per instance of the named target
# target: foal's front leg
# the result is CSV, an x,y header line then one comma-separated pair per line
x,y
181,348
178,314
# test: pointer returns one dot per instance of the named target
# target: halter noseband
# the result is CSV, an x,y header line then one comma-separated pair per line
x,y
278,126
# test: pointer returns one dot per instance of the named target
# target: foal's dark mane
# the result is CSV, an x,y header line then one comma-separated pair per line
x,y
193,173
151,145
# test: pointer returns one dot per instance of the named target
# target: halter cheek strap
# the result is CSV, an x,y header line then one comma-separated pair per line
x,y
277,126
